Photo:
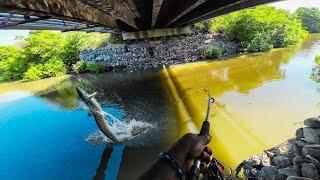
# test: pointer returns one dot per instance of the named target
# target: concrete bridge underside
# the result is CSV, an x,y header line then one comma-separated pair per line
x,y
115,16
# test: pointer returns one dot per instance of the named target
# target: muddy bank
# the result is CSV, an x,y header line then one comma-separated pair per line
x,y
154,54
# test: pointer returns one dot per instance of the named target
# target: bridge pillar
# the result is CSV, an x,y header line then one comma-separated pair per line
x,y
156,33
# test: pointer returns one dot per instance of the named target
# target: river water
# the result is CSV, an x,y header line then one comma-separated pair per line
x,y
46,133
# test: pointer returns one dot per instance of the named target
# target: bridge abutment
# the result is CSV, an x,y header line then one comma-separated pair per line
x,y
155,33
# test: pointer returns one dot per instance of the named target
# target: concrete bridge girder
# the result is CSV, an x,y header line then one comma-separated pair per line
x,y
115,15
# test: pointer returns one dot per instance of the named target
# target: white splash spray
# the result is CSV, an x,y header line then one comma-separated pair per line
x,y
124,131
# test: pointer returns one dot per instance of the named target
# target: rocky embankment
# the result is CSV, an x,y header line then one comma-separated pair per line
x,y
297,159
315,75
154,54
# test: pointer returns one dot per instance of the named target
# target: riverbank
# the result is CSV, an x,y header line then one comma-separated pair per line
x,y
298,157
152,55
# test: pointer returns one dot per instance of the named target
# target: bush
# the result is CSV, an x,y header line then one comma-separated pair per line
x,y
278,37
11,64
310,18
317,59
260,42
33,73
247,26
202,27
80,67
212,52
53,68
71,49
47,54
95,68
43,45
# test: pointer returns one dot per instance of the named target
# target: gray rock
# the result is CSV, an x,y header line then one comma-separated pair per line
x,y
294,149
142,56
297,160
251,172
302,142
314,146
281,161
311,135
297,178
312,151
270,154
269,172
299,133
309,170
297,168
287,172
313,122
264,163
254,161
312,160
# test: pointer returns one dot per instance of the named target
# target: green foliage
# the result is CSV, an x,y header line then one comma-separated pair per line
x,y
310,18
115,39
212,52
95,68
43,45
33,73
11,64
72,48
202,27
47,54
261,28
80,67
52,68
317,59
260,42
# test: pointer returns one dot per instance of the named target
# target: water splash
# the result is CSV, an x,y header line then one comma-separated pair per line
x,y
124,131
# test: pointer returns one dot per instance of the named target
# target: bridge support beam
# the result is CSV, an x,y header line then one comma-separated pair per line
x,y
156,33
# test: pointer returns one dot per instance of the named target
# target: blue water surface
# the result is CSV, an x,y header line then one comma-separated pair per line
x,y
39,140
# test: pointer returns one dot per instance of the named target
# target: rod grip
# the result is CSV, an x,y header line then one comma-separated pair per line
x,y
205,128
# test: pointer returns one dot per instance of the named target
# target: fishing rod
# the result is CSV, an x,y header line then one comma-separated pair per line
x,y
205,130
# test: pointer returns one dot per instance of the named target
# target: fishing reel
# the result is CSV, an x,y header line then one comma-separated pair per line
x,y
216,171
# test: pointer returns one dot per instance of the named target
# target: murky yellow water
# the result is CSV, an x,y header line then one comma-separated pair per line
x,y
260,98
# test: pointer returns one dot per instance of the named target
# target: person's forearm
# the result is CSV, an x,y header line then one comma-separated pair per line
x,y
160,170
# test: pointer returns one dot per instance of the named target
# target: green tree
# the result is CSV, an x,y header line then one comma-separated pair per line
x,y
317,59
260,28
11,63
310,18
43,45
47,54
72,48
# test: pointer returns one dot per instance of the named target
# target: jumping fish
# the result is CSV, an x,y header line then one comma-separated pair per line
x,y
97,112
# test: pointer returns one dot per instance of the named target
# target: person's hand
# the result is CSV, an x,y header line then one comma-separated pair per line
x,y
190,147
186,150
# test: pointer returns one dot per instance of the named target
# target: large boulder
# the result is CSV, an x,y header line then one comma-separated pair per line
x,y
313,122
269,172
311,150
297,160
299,133
287,172
311,135
281,161
309,170
312,160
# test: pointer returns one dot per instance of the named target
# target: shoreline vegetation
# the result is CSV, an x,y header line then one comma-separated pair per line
x,y
46,54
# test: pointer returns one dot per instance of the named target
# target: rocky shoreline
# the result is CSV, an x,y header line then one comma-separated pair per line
x,y
296,159
153,54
